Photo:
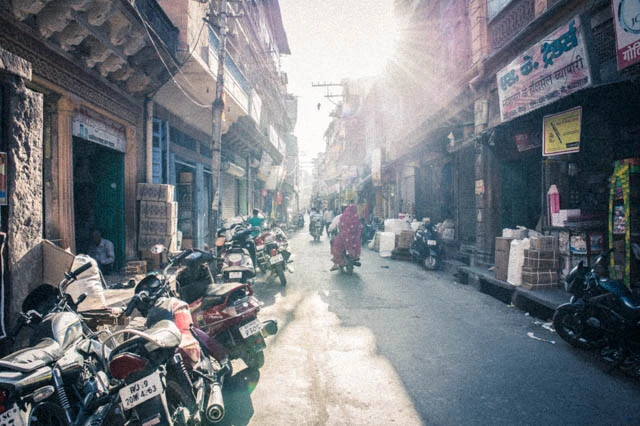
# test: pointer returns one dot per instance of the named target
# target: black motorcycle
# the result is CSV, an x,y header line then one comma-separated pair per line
x,y
59,379
425,247
602,314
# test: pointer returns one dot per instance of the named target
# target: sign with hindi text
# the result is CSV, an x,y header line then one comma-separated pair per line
x,y
551,69
561,132
626,18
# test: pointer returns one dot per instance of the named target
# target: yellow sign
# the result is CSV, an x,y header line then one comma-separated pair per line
x,y
561,132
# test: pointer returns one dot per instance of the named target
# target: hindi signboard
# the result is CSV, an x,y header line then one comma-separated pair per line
x,y
551,69
561,132
626,16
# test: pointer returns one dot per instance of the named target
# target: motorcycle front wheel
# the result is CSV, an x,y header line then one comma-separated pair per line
x,y
570,323
254,360
280,273
430,263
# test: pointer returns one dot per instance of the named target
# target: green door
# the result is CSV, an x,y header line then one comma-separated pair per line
x,y
99,195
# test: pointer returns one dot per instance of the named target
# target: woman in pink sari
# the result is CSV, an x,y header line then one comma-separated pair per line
x,y
348,237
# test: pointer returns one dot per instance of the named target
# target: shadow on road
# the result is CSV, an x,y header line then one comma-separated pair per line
x,y
237,397
267,291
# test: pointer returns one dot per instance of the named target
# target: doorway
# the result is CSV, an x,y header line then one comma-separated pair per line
x,y
98,194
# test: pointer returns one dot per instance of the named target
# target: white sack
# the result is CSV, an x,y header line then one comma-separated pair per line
x,y
516,260
387,243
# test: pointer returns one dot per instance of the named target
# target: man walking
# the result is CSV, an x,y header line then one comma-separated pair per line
x,y
327,217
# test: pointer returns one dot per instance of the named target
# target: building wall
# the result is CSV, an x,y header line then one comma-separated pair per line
x,y
23,138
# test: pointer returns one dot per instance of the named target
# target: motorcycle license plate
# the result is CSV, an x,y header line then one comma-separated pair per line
x,y
234,275
138,392
431,242
276,259
11,417
250,329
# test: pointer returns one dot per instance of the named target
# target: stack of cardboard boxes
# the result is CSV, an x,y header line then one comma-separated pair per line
x,y
403,243
158,219
541,263
503,246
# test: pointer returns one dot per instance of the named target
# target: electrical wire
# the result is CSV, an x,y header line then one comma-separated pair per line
x,y
146,27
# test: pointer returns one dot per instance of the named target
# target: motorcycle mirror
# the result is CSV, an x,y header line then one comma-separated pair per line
x,y
158,248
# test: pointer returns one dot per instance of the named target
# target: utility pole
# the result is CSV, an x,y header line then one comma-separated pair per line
x,y
217,108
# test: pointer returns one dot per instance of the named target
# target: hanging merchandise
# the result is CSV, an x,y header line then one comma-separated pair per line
x,y
553,203
624,220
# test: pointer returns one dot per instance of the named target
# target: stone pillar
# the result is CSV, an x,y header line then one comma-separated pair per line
x,y
64,216
130,192
23,122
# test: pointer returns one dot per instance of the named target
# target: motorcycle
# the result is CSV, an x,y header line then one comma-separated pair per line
x,y
59,379
349,260
425,247
139,367
226,312
272,253
196,371
316,226
602,314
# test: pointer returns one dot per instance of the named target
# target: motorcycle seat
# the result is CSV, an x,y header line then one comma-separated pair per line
x,y
165,333
216,294
46,352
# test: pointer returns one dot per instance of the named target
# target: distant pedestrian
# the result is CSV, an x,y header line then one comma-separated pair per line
x,y
328,218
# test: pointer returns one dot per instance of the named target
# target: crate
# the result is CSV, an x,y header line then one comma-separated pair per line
x,y
146,241
503,244
541,259
155,192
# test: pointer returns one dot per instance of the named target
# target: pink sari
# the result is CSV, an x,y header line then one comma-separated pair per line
x,y
349,236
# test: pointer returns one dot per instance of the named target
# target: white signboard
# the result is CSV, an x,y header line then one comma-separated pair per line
x,y
551,69
92,127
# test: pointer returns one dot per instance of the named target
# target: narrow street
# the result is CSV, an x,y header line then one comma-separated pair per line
x,y
394,344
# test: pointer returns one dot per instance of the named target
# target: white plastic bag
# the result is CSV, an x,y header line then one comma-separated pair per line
x,y
516,260
387,243
90,282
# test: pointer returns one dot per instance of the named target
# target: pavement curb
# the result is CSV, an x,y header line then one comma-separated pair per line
x,y
540,303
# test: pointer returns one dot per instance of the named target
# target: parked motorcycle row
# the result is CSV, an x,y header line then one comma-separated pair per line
x,y
200,313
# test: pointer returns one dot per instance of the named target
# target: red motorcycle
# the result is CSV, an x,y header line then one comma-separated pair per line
x,y
228,312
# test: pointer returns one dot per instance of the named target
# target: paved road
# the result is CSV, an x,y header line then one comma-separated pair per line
x,y
395,344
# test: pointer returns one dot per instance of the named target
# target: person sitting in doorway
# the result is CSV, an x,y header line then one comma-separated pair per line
x,y
102,251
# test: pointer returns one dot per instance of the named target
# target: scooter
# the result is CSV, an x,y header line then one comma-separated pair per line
x,y
425,247
237,261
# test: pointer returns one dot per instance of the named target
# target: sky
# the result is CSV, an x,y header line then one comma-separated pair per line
x,y
331,40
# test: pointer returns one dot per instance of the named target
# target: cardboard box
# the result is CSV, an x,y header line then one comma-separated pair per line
x,y
158,226
404,239
544,243
501,265
146,241
136,267
159,209
155,192
56,261
537,276
503,244
541,259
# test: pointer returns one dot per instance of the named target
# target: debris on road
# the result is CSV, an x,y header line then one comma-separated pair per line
x,y
534,337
